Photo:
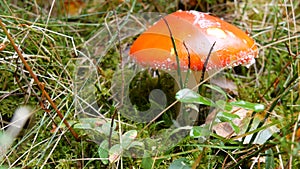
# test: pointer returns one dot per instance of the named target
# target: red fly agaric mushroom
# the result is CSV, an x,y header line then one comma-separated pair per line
x,y
197,31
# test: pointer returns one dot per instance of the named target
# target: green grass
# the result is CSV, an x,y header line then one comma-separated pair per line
x,y
53,46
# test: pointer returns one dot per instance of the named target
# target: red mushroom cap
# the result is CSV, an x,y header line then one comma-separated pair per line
x,y
198,31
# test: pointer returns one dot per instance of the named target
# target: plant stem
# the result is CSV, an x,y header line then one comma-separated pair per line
x,y
176,54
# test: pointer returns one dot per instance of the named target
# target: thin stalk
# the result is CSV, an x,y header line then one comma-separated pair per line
x,y
176,54
189,64
201,79
206,62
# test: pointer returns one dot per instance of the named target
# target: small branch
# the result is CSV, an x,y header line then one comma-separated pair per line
x,y
38,82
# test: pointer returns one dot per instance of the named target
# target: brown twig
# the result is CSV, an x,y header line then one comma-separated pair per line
x,y
38,82
199,158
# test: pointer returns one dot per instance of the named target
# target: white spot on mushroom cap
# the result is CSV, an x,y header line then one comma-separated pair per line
x,y
252,61
199,19
217,32
196,18
230,33
197,15
203,23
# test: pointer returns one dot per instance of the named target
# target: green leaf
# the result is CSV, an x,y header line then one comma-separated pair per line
x,y
147,163
235,127
131,134
223,105
83,126
6,167
180,163
137,144
127,138
270,159
103,151
247,105
230,116
189,96
105,128
199,131
218,89
223,119
115,152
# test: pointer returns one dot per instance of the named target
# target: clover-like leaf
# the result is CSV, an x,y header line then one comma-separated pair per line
x,y
189,96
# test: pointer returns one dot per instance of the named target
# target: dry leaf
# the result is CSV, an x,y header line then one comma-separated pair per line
x,y
224,129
